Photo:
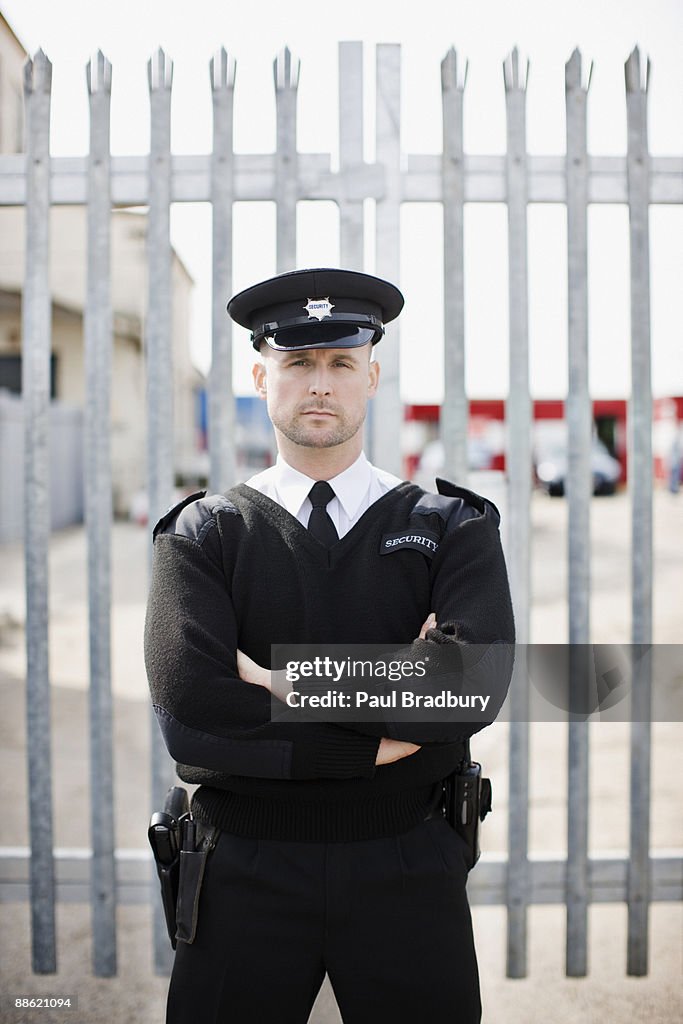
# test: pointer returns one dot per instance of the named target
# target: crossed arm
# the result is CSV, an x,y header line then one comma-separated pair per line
x,y
389,750
210,719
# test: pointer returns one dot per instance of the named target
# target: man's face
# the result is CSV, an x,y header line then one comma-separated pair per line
x,y
317,398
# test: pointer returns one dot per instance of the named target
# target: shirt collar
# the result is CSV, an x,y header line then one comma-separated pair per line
x,y
350,486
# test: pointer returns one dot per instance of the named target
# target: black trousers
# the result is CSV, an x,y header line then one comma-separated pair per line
x,y
387,919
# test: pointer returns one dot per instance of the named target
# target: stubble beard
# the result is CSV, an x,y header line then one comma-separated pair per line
x,y
297,431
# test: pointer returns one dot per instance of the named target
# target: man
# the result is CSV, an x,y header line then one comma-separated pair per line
x,y
332,853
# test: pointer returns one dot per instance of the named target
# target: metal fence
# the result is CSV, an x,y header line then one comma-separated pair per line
x,y
452,178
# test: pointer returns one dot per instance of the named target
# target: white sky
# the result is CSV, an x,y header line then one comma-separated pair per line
x,y
605,30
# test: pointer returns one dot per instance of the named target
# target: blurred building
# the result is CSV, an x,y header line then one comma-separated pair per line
x,y
12,58
68,266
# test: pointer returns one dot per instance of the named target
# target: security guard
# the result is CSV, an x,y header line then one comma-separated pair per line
x,y
330,854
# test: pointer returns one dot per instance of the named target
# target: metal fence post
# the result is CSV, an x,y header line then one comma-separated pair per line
x,y
454,411
98,513
221,401
579,488
159,369
640,487
37,336
286,76
518,462
387,406
351,222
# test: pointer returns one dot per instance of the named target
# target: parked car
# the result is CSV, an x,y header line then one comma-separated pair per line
x,y
551,469
479,456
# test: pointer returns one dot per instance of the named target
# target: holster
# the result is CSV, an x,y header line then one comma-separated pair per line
x,y
180,847
466,802
164,834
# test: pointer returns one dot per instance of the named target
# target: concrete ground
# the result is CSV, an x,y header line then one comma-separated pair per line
x,y
137,995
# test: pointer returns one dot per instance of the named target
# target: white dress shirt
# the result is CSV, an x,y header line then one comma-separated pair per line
x,y
356,489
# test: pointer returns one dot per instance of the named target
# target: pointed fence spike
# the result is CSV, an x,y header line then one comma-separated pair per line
x,y
507,69
222,70
286,69
98,73
576,76
449,70
446,70
160,70
572,70
278,70
152,71
38,73
632,70
511,71
515,71
223,61
453,76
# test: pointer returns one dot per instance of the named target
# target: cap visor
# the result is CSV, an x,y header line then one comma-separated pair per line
x,y
297,339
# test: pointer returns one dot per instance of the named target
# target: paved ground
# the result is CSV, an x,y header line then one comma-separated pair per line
x,y
136,995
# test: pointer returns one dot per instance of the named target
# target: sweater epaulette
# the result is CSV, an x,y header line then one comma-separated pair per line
x,y
194,516
455,505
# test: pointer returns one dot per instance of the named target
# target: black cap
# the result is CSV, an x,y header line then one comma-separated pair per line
x,y
322,308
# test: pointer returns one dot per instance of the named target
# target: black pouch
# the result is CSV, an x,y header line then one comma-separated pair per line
x,y
467,801
198,841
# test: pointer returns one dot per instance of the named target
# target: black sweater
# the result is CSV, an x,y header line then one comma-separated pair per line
x,y
240,571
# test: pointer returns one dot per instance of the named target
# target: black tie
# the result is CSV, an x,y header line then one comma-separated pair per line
x,y
320,524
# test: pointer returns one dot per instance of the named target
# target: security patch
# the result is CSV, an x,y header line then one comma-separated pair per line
x,y
419,540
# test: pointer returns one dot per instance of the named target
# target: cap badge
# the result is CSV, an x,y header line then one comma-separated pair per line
x,y
319,308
